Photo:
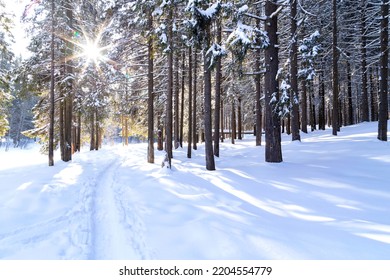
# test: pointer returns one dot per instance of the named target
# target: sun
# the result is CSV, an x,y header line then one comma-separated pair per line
x,y
92,52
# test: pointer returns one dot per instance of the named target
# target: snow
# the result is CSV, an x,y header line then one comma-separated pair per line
x,y
329,199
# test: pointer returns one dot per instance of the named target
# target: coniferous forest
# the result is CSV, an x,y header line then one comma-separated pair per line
x,y
177,72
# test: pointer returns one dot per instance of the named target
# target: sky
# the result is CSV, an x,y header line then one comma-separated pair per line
x,y
16,7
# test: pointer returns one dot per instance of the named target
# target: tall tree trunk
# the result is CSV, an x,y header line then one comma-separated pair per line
x,y
273,147
384,61
364,98
258,114
350,116
373,96
176,100
51,125
168,129
335,118
150,92
208,127
218,81
68,101
62,126
294,73
183,70
194,95
189,149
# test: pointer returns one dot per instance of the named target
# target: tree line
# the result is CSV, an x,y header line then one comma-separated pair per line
x,y
201,71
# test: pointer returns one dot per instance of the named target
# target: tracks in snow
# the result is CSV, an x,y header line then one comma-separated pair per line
x,y
115,228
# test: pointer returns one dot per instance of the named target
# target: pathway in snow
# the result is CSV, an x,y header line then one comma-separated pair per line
x,y
113,227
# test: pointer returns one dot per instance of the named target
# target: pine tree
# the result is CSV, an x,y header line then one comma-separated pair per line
x,y
384,61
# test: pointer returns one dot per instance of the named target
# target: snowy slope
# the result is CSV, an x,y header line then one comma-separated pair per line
x,y
329,199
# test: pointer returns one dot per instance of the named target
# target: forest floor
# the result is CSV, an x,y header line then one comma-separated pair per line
x,y
329,199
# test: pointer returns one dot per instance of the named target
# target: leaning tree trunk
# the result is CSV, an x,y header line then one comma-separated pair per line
x,y
273,147
383,101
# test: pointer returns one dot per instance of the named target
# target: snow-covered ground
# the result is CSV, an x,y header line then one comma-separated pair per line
x,y
329,199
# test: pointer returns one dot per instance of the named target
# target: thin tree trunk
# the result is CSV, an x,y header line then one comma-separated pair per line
x,y
321,108
294,73
168,129
68,100
350,118
52,65
182,99
150,93
194,95
372,96
176,101
233,125
92,144
335,118
189,149
222,122
208,128
239,119
78,139
384,61
364,98
218,80
273,148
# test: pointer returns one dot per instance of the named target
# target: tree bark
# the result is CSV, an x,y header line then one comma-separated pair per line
x,y
208,132
239,119
273,148
189,149
52,65
168,128
384,61
150,92
218,80
349,116
182,99
294,73
194,95
321,108
176,101
335,103
233,119
364,98
68,100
